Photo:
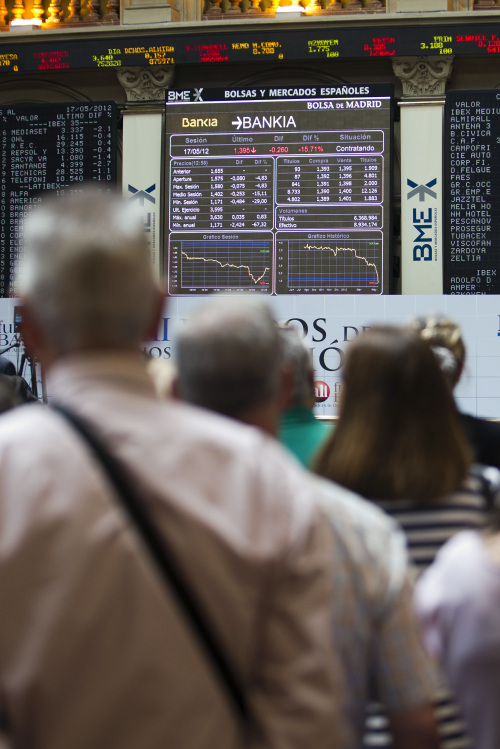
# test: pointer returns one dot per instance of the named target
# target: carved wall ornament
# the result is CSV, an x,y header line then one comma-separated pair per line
x,y
145,84
423,76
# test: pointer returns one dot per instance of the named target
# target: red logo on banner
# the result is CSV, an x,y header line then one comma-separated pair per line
x,y
321,391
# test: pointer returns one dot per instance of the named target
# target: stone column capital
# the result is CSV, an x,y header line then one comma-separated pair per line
x,y
423,77
145,84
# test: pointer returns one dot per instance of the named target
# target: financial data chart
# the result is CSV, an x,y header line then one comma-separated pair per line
x,y
244,265
339,262
279,191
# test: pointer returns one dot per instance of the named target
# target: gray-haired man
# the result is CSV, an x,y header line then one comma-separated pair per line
x,y
94,650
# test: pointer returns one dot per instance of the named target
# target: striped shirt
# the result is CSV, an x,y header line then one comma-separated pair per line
x,y
427,528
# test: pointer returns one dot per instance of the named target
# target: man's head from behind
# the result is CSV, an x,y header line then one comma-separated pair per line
x,y
229,359
297,360
85,276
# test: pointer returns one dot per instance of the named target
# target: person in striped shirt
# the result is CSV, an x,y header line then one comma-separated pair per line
x,y
399,443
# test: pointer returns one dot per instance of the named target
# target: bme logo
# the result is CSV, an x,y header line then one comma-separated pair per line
x,y
422,220
186,95
421,190
142,195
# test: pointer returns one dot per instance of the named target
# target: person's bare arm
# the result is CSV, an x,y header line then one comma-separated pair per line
x,y
407,678
414,728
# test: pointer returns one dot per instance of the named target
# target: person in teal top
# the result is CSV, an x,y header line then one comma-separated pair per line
x,y
299,430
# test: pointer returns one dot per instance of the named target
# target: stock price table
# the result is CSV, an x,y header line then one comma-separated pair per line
x,y
278,195
49,147
472,234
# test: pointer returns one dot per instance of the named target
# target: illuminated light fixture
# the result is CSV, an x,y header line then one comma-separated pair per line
x,y
25,24
289,11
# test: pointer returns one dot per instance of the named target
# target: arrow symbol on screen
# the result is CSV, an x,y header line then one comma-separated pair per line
x,y
237,122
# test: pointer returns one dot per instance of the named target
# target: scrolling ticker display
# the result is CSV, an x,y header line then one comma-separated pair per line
x,y
279,191
234,46
472,234
50,147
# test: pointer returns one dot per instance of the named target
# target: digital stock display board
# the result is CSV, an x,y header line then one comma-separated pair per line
x,y
209,44
472,226
49,147
279,190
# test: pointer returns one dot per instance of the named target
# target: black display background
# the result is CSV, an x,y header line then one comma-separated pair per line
x,y
210,45
49,147
320,222
471,257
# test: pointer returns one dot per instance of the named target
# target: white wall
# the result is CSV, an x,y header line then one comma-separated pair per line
x,y
332,319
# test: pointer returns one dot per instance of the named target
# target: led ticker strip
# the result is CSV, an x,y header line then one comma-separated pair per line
x,y
209,45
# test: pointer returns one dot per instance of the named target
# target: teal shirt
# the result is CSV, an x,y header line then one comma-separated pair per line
x,y
302,433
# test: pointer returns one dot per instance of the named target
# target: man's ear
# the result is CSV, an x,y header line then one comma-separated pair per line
x,y
30,333
312,391
286,389
35,344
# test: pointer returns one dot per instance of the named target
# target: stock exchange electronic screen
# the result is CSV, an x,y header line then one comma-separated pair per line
x,y
49,147
472,234
40,52
279,190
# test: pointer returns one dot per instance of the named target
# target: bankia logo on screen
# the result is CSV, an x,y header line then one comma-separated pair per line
x,y
321,391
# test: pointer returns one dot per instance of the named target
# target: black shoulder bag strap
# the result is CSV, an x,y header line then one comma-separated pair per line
x,y
166,564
